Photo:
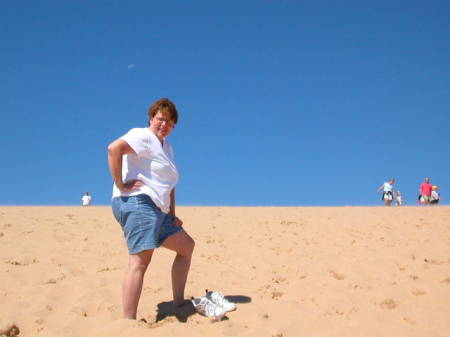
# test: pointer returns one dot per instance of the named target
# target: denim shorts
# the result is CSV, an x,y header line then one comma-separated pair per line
x,y
144,225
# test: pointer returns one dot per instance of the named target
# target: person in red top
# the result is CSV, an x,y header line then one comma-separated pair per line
x,y
425,191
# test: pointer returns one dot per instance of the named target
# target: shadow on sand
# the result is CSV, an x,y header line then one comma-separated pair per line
x,y
165,309
238,298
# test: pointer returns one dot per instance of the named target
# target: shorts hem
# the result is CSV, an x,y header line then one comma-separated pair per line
x,y
141,249
179,229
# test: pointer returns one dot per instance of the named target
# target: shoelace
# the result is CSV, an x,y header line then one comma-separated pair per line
x,y
219,298
208,308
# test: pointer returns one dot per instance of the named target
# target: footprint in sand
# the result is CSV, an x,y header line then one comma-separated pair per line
x,y
278,279
389,304
409,320
272,291
153,323
61,277
336,275
418,292
276,294
106,269
25,263
10,331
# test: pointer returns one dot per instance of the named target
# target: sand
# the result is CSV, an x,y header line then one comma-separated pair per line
x,y
293,271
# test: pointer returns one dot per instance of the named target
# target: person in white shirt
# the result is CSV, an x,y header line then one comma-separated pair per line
x,y
435,196
143,169
388,189
86,199
398,198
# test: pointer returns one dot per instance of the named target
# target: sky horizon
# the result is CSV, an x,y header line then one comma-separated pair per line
x,y
284,103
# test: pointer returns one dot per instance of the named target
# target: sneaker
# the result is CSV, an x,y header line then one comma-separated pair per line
x,y
219,299
207,308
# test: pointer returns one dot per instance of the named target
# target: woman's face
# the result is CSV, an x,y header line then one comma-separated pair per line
x,y
161,125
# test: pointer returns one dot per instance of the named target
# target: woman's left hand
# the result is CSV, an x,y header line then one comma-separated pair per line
x,y
177,222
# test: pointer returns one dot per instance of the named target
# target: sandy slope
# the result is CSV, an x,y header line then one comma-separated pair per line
x,y
297,271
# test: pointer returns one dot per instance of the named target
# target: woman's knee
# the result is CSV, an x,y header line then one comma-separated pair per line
x,y
140,261
191,244
181,243
187,246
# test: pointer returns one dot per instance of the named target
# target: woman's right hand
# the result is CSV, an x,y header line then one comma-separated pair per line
x,y
116,150
129,186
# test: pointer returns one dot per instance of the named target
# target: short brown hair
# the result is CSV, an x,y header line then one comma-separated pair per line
x,y
166,106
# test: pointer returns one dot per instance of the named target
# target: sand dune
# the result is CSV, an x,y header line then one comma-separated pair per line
x,y
294,271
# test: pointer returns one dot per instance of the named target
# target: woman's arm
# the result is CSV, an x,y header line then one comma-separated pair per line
x,y
172,202
116,150
178,221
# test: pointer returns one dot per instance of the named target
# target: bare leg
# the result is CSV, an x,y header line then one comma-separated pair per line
x,y
132,283
183,245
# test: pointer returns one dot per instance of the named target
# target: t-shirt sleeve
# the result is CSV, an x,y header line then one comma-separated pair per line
x,y
138,140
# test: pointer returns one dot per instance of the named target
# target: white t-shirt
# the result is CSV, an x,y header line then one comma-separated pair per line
x,y
152,163
387,187
86,200
434,195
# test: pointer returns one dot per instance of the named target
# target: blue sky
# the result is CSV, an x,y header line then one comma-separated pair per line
x,y
281,102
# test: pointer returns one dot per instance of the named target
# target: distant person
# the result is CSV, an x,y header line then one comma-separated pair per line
x,y
388,188
435,196
142,166
398,198
86,199
425,192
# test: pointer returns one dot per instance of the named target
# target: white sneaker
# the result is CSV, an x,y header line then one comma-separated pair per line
x,y
219,299
206,307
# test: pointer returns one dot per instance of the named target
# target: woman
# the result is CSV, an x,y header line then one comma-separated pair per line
x,y
142,166
388,188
